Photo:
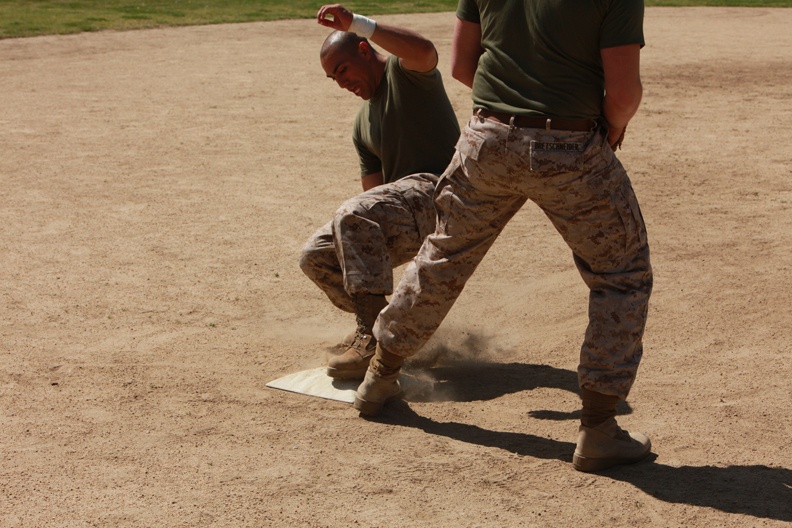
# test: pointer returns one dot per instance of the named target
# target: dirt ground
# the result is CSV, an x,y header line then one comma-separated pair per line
x,y
156,188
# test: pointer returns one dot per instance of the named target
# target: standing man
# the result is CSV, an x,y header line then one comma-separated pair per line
x,y
404,134
555,83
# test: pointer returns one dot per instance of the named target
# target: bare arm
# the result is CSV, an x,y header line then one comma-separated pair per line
x,y
415,52
623,88
465,51
369,181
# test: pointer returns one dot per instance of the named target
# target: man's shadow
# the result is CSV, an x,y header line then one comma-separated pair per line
x,y
464,380
756,490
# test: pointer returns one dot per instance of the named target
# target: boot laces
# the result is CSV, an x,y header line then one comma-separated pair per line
x,y
361,333
363,343
357,343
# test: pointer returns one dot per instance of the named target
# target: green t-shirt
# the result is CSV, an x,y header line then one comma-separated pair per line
x,y
543,56
407,127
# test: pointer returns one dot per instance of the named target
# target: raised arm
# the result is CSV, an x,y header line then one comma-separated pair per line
x,y
415,52
465,51
623,88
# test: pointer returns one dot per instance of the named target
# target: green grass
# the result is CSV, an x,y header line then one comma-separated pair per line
x,y
720,3
25,18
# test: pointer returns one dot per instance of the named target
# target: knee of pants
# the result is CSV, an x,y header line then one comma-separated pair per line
x,y
353,223
311,260
349,211
305,260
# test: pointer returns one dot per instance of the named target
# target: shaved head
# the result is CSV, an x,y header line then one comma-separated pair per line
x,y
351,62
341,41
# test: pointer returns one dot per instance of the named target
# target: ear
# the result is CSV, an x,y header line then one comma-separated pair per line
x,y
364,49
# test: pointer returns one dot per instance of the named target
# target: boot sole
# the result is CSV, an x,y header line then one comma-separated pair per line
x,y
588,465
368,408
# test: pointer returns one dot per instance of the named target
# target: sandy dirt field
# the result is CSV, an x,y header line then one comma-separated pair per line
x,y
156,188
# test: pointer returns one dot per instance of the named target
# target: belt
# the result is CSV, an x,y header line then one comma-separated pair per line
x,y
533,121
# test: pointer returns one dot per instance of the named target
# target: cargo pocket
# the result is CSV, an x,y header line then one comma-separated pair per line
x,y
470,144
635,216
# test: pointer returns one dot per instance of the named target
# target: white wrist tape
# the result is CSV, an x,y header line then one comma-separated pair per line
x,y
362,26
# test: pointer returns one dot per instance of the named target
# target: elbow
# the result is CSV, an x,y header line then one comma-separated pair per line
x,y
464,63
427,54
462,73
633,99
457,72
428,50
628,99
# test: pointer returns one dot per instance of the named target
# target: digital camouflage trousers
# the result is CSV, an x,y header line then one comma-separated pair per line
x,y
369,235
583,189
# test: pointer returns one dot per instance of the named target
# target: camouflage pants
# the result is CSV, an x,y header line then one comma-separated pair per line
x,y
585,192
369,235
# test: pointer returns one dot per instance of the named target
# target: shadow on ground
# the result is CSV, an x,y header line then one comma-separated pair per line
x,y
759,491
468,380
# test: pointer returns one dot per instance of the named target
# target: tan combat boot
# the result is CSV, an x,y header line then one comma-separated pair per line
x,y
381,384
601,442
352,364
608,445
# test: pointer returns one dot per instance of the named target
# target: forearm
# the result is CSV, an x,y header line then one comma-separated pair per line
x,y
623,89
416,52
619,110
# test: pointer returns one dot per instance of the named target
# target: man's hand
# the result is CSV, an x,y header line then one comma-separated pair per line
x,y
616,137
334,16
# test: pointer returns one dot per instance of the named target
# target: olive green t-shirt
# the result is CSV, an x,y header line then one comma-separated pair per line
x,y
543,56
407,127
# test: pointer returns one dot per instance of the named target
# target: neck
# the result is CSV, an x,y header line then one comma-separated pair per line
x,y
379,68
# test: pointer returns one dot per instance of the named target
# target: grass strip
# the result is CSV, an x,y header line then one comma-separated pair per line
x,y
26,18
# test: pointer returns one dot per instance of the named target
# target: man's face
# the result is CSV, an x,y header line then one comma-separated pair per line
x,y
352,71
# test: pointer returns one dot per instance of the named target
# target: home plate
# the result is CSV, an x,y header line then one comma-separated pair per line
x,y
316,382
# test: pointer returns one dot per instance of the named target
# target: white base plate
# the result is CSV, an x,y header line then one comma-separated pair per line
x,y
316,382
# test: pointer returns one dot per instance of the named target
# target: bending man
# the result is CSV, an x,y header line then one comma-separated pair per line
x,y
404,134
